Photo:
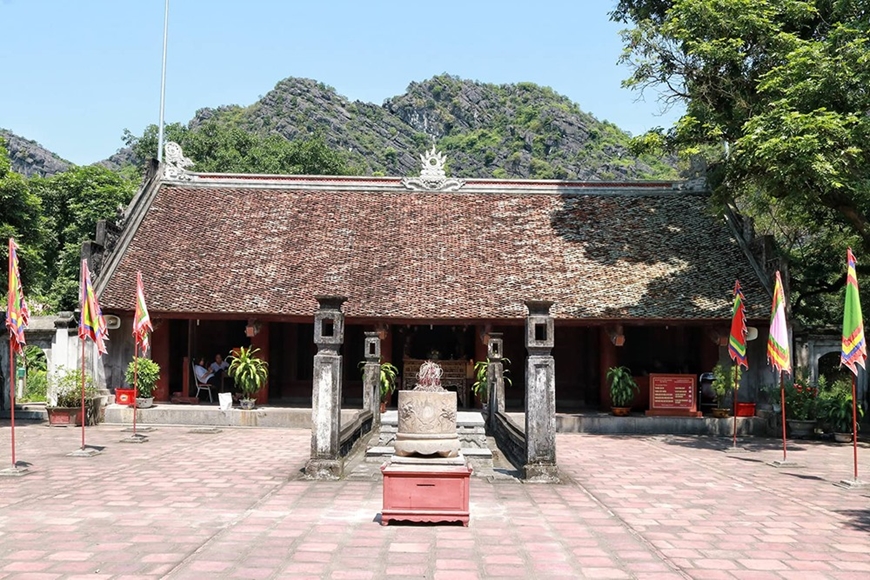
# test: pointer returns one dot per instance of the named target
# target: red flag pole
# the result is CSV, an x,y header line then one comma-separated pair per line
x,y
734,405
83,395
12,397
782,396
855,424
135,383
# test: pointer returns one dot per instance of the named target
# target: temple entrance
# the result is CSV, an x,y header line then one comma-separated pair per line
x,y
452,346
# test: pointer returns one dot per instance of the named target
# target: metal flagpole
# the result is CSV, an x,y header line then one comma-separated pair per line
x,y
782,404
734,405
855,424
163,84
12,396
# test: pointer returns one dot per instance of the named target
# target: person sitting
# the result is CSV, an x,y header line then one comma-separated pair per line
x,y
219,369
203,375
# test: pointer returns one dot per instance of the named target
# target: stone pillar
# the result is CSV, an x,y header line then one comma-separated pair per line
x,y
495,374
325,461
372,377
540,394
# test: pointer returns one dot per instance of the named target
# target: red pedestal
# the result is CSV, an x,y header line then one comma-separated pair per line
x,y
425,492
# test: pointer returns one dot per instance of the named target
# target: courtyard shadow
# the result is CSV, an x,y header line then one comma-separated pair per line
x,y
858,519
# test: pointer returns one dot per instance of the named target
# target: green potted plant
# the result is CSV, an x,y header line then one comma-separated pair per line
x,y
835,410
622,389
145,372
250,373
65,396
723,383
388,377
480,385
801,407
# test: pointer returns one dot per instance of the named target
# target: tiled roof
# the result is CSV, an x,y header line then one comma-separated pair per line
x,y
224,248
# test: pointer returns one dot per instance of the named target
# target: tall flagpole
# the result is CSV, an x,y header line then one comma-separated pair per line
x,y
163,83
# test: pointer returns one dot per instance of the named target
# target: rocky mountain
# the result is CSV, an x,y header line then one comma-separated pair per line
x,y
486,130
29,158
515,130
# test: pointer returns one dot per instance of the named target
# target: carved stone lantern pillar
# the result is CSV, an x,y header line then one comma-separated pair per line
x,y
540,394
495,373
325,461
372,376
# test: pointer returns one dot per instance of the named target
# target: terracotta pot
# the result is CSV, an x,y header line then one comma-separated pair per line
x,y
801,429
721,413
843,437
64,415
621,411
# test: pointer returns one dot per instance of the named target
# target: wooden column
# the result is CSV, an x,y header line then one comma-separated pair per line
x,y
160,355
261,341
608,359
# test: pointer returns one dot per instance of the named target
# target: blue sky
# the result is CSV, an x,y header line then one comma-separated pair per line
x,y
76,73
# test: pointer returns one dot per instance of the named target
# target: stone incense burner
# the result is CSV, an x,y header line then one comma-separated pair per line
x,y
427,417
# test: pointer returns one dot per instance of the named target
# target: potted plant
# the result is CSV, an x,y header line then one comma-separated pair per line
x,y
145,372
250,373
387,381
480,385
723,383
622,390
65,396
835,410
801,407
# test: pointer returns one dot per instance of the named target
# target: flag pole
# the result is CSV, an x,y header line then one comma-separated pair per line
x,y
135,384
855,424
163,83
782,406
84,418
12,398
734,405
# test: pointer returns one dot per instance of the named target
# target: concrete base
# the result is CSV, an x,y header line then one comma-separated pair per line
x,y
787,463
324,469
136,438
540,473
640,424
86,452
140,429
852,484
736,450
14,472
213,416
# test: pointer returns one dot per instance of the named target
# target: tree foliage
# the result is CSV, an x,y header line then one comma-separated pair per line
x,y
73,202
221,147
20,218
777,103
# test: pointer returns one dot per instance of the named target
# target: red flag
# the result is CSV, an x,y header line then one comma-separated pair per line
x,y
92,324
737,342
141,320
17,314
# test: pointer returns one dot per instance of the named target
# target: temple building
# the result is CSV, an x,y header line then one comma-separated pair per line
x,y
640,274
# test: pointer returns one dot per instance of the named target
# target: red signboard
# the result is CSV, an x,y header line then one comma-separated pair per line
x,y
673,393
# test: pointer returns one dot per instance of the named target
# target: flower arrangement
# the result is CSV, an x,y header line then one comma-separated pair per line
x,y
801,400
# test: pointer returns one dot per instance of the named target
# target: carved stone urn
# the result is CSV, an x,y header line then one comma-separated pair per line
x,y
427,417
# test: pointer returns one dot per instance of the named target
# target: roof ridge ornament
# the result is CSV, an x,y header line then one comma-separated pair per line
x,y
432,175
174,168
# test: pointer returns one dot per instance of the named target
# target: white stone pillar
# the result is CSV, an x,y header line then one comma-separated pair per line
x,y
325,461
540,394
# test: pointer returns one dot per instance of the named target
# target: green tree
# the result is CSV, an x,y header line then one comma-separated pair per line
x,y
73,202
221,146
21,218
776,102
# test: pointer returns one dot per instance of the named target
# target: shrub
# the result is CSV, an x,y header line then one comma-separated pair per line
x,y
147,372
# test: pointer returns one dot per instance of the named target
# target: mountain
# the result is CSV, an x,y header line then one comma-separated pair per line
x,y
514,130
29,158
486,130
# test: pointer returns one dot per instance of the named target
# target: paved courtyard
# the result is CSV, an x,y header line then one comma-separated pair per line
x,y
231,504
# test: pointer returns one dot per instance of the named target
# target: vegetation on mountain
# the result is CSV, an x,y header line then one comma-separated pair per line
x,y
776,101
29,158
487,130
50,217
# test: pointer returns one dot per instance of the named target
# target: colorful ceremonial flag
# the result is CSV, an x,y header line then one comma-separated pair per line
x,y
737,342
141,320
854,346
92,324
17,314
777,341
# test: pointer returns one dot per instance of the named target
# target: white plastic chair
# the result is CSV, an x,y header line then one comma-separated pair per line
x,y
200,385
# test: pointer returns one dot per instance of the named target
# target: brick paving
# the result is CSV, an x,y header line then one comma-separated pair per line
x,y
233,505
